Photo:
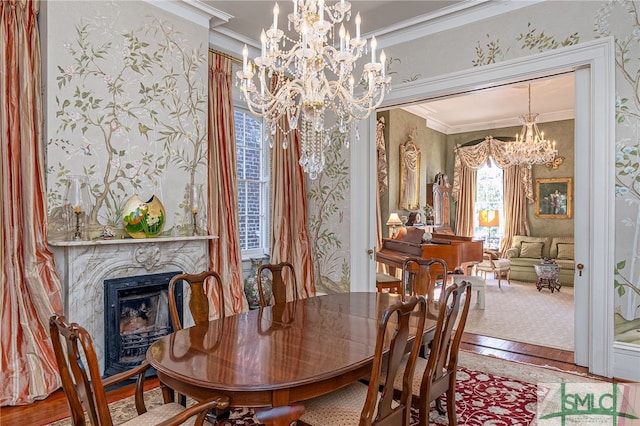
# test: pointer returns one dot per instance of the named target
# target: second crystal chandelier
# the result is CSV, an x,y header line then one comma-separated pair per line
x,y
302,79
530,146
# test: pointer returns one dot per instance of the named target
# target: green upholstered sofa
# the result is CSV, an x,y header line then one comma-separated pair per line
x,y
527,251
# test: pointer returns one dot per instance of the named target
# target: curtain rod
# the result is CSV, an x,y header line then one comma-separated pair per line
x,y
226,55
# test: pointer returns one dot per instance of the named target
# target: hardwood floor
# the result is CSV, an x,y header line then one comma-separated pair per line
x,y
55,408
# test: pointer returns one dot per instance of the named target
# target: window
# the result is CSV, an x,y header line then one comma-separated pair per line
x,y
489,197
253,184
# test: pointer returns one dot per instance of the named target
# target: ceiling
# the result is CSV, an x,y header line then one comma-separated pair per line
x,y
552,98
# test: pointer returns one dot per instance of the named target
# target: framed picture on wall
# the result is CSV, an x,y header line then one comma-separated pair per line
x,y
554,198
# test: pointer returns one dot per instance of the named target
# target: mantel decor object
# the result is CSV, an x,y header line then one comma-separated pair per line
x,y
196,202
143,219
77,205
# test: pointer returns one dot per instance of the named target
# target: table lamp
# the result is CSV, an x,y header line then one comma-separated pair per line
x,y
394,221
489,219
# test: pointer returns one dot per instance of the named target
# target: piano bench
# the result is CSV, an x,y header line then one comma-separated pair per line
x,y
388,282
478,284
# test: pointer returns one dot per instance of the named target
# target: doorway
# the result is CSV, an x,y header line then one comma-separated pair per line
x,y
595,90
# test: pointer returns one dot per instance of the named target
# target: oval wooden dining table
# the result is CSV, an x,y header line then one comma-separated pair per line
x,y
273,359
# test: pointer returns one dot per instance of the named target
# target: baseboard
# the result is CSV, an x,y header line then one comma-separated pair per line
x,y
626,359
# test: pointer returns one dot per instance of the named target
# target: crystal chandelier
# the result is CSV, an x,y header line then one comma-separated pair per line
x,y
530,146
313,74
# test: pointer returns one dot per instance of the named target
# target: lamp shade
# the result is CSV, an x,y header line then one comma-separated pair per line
x,y
489,218
394,220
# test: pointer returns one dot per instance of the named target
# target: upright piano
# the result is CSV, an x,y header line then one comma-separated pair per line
x,y
455,250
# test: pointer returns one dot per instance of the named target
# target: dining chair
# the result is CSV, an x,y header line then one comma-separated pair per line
x,y
85,388
283,277
360,404
200,304
436,375
426,277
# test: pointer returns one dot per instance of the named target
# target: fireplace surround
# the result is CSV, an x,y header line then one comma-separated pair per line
x,y
85,265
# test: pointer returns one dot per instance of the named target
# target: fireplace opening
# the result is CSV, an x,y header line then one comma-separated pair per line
x,y
136,315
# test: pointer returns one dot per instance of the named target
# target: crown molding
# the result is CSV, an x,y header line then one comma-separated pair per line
x,y
447,18
194,11
423,111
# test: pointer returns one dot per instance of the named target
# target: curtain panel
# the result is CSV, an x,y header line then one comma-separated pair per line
x,y
382,185
290,240
224,251
31,287
518,188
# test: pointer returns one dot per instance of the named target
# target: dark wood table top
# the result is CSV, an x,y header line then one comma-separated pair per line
x,y
277,356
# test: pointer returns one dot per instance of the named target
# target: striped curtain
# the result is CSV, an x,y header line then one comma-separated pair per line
x,y
224,251
31,288
515,204
289,232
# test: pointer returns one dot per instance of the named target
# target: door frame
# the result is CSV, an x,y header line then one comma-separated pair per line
x,y
595,177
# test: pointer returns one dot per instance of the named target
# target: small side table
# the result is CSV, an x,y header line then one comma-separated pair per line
x,y
547,276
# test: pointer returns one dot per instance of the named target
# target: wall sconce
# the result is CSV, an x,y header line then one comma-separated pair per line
x,y
394,221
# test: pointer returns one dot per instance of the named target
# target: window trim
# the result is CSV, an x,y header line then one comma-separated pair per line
x,y
264,181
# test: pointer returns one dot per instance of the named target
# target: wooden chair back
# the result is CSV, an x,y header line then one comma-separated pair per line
x,y
84,387
421,277
395,328
199,303
440,374
80,373
283,283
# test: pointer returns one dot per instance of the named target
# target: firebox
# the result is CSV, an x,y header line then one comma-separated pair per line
x,y
136,315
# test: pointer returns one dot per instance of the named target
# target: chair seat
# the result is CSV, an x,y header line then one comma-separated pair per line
x,y
384,281
502,264
159,414
340,408
500,267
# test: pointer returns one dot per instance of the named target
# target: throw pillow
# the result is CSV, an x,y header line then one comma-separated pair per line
x,y
531,249
565,251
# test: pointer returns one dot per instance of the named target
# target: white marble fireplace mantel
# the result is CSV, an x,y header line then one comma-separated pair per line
x,y
84,265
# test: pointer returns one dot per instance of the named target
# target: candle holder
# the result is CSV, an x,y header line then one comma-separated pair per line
x,y
196,202
77,206
78,233
194,212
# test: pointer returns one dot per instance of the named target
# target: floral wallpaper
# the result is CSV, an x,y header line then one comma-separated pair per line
x,y
622,21
551,25
126,108
328,198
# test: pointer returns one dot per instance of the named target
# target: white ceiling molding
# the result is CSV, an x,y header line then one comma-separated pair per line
x,y
193,10
232,43
423,111
446,19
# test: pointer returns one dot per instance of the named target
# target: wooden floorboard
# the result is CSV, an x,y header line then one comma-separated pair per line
x,y
55,408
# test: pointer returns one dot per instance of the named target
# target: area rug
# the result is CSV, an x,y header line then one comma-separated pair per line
x,y
521,313
489,391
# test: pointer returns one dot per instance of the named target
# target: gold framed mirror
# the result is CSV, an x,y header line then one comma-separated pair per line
x,y
409,175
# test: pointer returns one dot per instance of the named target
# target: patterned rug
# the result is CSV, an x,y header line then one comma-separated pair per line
x,y
489,391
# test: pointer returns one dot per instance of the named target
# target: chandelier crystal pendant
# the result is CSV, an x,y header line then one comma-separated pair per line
x,y
313,74
530,146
